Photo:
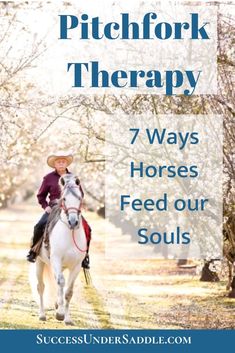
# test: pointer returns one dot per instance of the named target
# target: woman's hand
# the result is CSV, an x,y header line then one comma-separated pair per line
x,y
48,209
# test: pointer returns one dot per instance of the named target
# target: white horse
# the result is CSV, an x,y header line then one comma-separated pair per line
x,y
68,247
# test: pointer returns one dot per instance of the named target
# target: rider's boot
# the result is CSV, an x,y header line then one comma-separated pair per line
x,y
86,262
37,234
31,257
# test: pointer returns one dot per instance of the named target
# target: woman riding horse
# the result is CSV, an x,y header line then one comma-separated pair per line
x,y
50,188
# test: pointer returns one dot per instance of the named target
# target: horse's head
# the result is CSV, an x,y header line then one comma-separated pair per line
x,y
71,198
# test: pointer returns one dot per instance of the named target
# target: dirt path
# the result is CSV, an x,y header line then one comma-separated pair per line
x,y
125,294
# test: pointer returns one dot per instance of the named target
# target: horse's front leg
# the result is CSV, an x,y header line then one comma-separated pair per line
x,y
40,287
69,292
57,268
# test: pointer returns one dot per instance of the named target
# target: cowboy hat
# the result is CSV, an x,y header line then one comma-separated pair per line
x,y
53,157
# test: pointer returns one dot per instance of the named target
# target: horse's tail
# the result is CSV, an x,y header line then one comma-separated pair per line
x,y
50,290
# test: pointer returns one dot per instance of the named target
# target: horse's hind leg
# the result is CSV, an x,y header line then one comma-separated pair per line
x,y
69,293
40,287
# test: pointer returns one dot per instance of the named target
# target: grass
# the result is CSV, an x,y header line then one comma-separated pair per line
x,y
153,294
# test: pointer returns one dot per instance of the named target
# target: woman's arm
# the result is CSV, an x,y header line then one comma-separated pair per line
x,y
43,193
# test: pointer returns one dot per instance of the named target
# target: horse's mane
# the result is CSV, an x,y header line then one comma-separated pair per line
x,y
53,217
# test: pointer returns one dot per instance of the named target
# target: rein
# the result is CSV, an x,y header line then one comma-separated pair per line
x,y
76,245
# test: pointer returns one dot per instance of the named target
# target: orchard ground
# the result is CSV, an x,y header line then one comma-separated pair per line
x,y
140,294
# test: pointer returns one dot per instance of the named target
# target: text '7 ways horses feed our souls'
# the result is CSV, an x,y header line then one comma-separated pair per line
x,y
159,176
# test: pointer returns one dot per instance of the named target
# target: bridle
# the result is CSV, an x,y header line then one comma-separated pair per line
x,y
68,210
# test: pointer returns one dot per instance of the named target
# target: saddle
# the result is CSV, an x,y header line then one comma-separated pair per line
x,y
52,220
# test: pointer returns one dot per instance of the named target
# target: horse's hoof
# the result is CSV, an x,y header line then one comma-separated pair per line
x,y
42,318
59,316
69,323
